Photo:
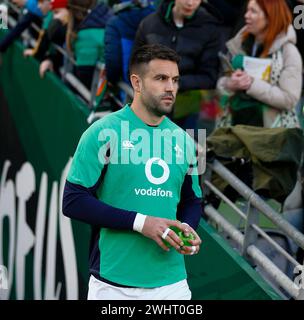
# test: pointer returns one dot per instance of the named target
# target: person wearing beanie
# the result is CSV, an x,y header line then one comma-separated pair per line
x,y
56,4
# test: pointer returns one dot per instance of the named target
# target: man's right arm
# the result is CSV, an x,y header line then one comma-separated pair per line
x,y
81,204
86,174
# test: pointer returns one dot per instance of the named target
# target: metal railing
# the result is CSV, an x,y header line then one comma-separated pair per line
x,y
68,77
246,239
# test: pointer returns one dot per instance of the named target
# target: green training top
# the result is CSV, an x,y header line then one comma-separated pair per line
x,y
145,173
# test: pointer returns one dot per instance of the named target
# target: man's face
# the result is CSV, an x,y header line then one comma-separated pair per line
x,y
159,85
186,8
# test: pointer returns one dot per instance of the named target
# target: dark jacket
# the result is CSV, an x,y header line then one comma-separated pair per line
x,y
97,18
119,39
197,42
230,11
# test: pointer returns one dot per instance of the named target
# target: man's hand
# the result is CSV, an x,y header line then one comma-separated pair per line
x,y
154,228
195,244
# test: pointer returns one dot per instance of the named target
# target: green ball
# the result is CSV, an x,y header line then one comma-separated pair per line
x,y
181,236
186,239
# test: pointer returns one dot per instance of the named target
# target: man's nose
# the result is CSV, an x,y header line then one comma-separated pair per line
x,y
170,85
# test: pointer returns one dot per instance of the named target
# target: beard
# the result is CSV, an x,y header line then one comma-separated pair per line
x,y
156,105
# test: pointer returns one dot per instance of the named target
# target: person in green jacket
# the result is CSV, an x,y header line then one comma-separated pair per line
x,y
85,36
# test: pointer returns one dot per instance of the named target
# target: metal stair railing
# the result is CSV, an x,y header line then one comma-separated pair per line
x,y
66,72
248,239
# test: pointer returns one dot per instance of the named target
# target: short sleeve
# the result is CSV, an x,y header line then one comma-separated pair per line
x,y
91,155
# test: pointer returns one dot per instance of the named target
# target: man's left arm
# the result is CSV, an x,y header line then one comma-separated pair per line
x,y
189,209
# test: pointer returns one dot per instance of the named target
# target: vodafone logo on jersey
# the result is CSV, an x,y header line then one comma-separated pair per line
x,y
148,171
155,192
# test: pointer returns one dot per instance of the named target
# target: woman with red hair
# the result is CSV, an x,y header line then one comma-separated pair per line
x,y
263,82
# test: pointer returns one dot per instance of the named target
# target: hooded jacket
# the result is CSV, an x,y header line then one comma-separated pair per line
x,y
197,43
286,93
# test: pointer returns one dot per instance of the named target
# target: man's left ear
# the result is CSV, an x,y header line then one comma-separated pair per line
x,y
136,82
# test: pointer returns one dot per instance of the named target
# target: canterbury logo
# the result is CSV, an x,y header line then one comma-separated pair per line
x,y
126,144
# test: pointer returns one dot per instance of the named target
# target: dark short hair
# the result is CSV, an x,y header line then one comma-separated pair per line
x,y
146,53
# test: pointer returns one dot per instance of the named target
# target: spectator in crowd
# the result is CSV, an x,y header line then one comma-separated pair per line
x,y
85,37
229,13
263,91
53,32
33,14
189,29
119,37
129,258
